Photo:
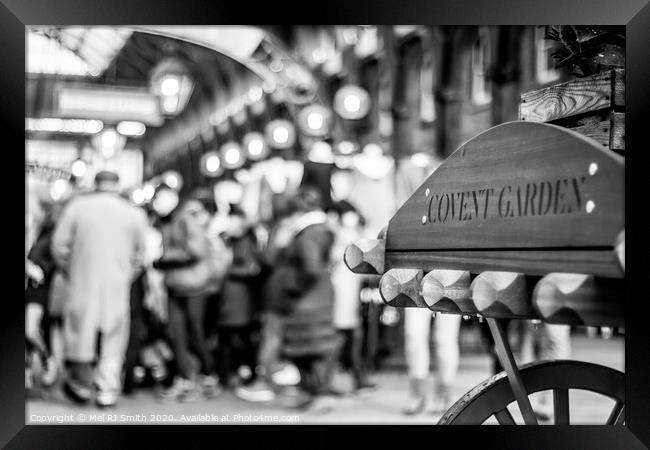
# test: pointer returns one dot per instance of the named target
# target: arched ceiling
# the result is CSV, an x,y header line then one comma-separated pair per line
x,y
221,60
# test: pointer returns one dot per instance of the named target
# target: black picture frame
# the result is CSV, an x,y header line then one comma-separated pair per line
x,y
635,14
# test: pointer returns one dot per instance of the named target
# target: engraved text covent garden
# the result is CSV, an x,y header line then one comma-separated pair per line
x,y
560,196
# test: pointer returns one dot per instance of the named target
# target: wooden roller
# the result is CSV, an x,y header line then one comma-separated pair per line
x,y
502,295
401,287
577,299
365,256
448,291
619,247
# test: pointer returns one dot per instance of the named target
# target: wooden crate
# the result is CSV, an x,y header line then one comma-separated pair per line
x,y
593,106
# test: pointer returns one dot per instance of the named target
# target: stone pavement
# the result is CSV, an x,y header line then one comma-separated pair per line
x,y
381,406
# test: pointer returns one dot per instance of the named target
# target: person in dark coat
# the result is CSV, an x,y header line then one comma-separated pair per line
x,y
136,332
238,306
40,269
301,292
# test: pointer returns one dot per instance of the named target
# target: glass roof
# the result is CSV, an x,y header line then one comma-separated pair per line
x,y
73,50
45,55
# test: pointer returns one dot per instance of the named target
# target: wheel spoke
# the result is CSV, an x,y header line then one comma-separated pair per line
x,y
507,360
504,417
617,416
491,397
561,406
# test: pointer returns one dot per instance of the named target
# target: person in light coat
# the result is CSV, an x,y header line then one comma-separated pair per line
x,y
98,244
347,301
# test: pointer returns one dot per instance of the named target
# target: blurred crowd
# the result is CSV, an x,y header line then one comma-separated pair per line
x,y
185,300
190,300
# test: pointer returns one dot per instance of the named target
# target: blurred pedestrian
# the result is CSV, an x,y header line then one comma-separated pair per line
x,y
417,330
238,306
543,342
347,300
299,298
271,374
40,270
301,291
192,271
98,243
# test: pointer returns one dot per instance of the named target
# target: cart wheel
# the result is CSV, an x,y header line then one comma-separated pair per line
x,y
491,397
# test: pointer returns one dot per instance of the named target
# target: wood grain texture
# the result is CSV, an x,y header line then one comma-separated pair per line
x,y
556,203
583,95
365,256
502,295
609,133
447,291
532,262
605,127
619,248
617,131
401,288
580,299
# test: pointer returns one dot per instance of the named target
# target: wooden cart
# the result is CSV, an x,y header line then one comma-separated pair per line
x,y
524,221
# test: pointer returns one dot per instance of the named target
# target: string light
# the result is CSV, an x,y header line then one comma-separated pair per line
x,y
314,120
78,168
213,163
58,189
255,94
255,146
173,179
232,155
280,133
148,191
210,164
138,196
351,102
170,86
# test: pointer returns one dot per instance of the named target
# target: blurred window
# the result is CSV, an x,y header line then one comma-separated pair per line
x,y
481,61
544,71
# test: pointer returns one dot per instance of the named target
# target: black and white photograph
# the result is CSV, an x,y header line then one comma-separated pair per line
x,y
369,224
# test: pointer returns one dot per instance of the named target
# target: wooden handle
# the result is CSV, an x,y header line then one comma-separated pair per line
x,y
401,287
576,299
365,256
448,291
619,247
502,295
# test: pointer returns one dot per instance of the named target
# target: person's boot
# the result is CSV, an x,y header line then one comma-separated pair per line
x,y
442,400
417,397
106,399
29,379
50,372
76,392
361,383
210,386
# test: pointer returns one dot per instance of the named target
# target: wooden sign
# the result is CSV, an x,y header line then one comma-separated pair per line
x,y
522,197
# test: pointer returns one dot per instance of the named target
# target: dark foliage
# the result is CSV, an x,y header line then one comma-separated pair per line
x,y
587,49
